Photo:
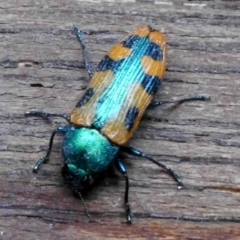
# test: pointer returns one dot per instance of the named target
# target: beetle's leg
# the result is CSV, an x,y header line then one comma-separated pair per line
x,y
45,158
122,169
180,101
80,38
136,152
47,115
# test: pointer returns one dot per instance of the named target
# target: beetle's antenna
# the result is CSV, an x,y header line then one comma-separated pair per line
x,y
84,204
78,193
49,184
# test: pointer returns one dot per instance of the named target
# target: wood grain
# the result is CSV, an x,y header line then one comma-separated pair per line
x,y
42,67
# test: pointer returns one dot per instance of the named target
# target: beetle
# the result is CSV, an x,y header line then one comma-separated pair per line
x,y
105,118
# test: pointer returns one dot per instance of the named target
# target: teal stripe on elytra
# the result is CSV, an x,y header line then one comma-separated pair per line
x,y
128,71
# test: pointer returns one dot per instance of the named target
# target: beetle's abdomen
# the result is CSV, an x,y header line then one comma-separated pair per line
x,y
123,86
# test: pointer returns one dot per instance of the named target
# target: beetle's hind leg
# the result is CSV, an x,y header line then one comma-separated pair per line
x,y
180,101
47,115
80,38
122,169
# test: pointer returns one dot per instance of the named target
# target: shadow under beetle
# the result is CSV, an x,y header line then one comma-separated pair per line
x,y
109,112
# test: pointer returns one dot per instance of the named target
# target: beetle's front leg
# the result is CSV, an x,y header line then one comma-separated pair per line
x,y
45,158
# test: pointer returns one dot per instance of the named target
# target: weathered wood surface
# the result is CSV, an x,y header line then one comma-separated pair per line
x,y
41,67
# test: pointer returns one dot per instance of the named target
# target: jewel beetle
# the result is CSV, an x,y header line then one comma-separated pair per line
x,y
105,118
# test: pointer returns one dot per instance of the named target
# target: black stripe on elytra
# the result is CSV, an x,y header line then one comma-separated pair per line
x,y
108,64
151,84
130,41
154,51
86,97
131,117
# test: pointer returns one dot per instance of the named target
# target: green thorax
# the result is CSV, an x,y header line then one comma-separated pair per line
x,y
86,154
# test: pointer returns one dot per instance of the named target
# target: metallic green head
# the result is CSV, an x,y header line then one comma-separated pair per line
x,y
86,154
